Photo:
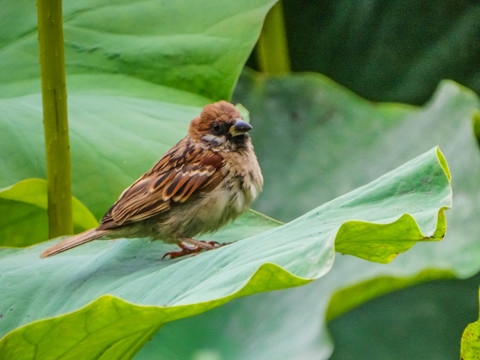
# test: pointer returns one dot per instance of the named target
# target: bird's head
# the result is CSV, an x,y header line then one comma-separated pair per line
x,y
220,125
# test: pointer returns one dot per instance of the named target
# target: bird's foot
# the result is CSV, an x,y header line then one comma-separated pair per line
x,y
193,247
186,250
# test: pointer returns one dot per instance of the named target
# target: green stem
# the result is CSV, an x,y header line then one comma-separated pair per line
x,y
55,122
272,48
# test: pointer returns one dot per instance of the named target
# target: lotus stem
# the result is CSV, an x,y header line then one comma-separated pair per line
x,y
55,121
272,47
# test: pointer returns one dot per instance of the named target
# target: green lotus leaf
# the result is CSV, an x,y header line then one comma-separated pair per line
x,y
194,47
470,349
24,206
334,141
126,282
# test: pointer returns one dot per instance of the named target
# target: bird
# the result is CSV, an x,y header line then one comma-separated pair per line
x,y
205,181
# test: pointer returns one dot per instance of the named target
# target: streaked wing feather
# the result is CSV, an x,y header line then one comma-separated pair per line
x,y
173,179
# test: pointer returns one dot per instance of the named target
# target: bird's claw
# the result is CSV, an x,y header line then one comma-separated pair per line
x,y
183,252
193,250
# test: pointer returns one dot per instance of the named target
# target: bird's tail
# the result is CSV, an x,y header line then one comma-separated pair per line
x,y
74,241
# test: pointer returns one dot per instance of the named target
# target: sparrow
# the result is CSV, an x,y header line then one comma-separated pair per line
x,y
206,180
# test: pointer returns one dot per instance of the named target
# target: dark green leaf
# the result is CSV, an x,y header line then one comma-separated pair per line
x,y
386,50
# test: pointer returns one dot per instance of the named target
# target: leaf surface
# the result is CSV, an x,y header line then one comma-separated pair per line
x,y
24,206
334,141
126,281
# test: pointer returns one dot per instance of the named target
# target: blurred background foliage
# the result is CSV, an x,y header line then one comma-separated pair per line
x,y
385,50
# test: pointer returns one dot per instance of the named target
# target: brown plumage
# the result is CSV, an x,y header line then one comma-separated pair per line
x,y
208,179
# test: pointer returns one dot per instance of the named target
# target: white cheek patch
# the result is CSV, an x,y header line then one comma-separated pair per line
x,y
212,138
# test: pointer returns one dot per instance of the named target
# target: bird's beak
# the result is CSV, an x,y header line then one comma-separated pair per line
x,y
239,128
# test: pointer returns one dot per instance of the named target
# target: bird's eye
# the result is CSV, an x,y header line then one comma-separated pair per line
x,y
216,128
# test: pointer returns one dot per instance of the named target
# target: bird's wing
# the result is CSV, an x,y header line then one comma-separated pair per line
x,y
182,172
